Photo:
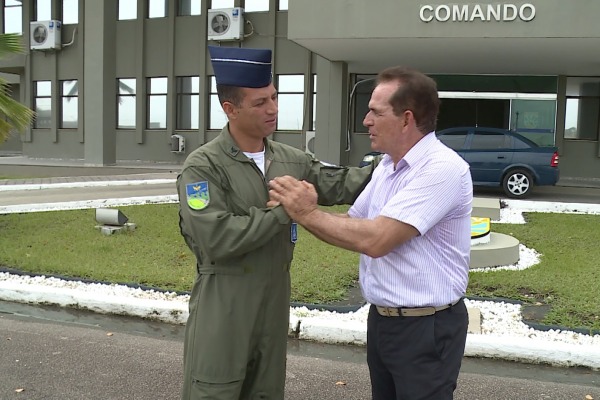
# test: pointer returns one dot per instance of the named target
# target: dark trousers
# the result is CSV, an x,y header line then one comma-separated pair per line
x,y
416,358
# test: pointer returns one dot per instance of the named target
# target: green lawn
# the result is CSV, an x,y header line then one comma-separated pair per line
x,y
66,243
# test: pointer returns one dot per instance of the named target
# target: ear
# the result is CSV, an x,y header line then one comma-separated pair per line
x,y
409,118
229,109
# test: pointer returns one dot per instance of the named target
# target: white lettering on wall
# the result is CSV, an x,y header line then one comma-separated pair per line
x,y
477,12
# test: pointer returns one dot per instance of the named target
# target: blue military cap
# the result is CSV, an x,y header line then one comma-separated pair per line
x,y
243,67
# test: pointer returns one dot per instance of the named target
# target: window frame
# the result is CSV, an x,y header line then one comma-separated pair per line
x,y
282,95
128,96
68,97
36,99
152,97
180,95
18,6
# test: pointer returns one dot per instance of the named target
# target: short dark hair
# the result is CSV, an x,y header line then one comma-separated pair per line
x,y
232,94
416,92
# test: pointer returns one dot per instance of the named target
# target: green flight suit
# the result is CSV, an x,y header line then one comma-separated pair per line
x,y
236,334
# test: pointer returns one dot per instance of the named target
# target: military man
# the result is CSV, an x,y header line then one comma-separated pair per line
x,y
236,334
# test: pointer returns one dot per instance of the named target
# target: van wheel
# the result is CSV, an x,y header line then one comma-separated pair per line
x,y
517,184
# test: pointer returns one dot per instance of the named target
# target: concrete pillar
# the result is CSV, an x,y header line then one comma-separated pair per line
x,y
99,85
332,111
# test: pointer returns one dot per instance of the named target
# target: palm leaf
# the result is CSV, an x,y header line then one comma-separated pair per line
x,y
10,43
14,114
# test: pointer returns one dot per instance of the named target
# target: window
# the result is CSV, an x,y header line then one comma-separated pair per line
x,y
43,10
157,8
583,108
69,93
43,104
360,96
127,9
256,5
70,11
189,7
217,118
283,5
188,102
291,102
313,119
454,140
489,141
126,103
221,3
13,16
156,113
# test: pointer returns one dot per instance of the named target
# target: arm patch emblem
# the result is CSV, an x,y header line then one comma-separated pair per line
x,y
197,195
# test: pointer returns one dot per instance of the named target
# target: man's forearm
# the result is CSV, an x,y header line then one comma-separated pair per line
x,y
336,229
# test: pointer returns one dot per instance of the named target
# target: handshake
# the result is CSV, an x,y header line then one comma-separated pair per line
x,y
298,198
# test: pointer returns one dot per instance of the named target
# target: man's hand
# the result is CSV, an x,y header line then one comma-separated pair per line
x,y
298,198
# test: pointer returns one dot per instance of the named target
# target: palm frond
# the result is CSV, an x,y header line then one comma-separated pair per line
x,y
11,43
14,115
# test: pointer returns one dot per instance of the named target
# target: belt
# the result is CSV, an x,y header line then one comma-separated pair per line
x,y
412,312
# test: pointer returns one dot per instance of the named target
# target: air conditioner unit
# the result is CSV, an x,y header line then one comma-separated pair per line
x,y
45,35
309,145
226,24
177,144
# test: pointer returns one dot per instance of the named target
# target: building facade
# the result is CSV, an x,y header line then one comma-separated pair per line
x,y
127,80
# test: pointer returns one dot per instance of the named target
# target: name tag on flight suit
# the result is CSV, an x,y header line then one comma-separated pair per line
x,y
294,232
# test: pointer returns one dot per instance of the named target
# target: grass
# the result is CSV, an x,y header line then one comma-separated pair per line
x,y
66,243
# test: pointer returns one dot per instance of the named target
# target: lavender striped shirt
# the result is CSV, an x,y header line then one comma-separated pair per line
x,y
431,189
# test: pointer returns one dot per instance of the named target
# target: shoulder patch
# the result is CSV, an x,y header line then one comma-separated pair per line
x,y
197,195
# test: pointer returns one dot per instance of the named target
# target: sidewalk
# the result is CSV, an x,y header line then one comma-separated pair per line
x,y
497,332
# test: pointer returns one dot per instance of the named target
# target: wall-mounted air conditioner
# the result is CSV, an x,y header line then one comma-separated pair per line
x,y
226,24
177,144
45,35
309,145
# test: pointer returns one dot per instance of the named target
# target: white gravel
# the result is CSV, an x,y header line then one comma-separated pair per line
x,y
503,333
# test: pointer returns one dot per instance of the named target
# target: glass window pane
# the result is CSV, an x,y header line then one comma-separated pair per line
x,y
69,113
290,112
43,10
70,12
127,9
43,88
188,84
488,141
291,83
126,112
455,141
283,5
157,8
43,117
157,112
190,7
127,86
13,19
157,85
222,3
217,118
188,111
583,86
581,119
213,85
70,88
256,5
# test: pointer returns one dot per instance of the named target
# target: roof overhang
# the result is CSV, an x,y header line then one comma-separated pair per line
x,y
552,38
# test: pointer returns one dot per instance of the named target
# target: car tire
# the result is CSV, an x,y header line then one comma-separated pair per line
x,y
517,183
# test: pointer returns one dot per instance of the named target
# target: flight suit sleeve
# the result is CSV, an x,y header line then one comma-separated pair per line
x,y
337,184
212,227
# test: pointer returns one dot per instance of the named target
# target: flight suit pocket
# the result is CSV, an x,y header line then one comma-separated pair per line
x,y
210,390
